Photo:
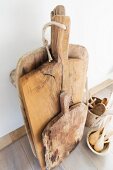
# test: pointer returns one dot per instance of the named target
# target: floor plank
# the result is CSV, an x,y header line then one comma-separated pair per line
x,y
78,160
73,162
27,149
14,158
19,156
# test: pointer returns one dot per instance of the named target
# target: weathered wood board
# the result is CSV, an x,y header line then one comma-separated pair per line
x,y
63,132
40,92
78,64
40,89
77,69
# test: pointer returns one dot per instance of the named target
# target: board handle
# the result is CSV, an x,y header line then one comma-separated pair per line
x,y
59,36
60,43
58,10
45,41
65,100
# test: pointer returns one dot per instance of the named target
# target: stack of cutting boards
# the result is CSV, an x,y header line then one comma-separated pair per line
x,y
40,89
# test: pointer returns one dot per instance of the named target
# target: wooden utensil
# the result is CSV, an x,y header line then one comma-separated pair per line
x,y
96,101
104,101
98,109
64,132
94,136
99,145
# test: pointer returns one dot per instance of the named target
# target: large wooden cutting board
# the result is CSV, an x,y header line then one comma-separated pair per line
x,y
40,90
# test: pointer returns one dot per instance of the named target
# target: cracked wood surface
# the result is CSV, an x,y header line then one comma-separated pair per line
x,y
77,75
63,133
47,86
41,88
40,92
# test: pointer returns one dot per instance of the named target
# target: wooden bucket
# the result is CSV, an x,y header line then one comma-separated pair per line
x,y
92,118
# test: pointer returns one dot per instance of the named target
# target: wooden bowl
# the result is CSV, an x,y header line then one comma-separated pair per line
x,y
106,149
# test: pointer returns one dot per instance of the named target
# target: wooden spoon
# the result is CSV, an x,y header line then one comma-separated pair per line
x,y
99,145
98,109
94,136
104,101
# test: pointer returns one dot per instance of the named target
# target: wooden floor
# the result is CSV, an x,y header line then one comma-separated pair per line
x,y
18,156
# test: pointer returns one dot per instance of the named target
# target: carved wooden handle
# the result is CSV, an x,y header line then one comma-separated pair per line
x,y
60,46
65,100
58,10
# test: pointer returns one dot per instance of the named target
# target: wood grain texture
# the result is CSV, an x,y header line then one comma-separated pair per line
x,y
63,133
11,137
18,133
78,64
6,140
40,93
60,43
60,47
58,10
31,61
76,98
13,158
33,161
100,86
40,89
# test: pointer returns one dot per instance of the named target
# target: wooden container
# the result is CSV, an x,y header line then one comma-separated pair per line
x,y
92,118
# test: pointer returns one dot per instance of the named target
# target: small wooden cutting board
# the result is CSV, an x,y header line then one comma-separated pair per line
x,y
64,132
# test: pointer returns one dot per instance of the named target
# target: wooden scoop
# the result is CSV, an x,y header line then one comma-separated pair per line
x,y
64,132
98,109
104,101
94,136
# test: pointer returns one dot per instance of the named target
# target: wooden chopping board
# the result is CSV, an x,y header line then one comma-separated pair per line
x,y
63,132
40,90
42,104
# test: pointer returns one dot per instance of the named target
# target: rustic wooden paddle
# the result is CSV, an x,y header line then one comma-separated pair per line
x,y
98,109
64,132
40,89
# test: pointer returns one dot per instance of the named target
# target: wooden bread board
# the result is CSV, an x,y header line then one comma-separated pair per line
x,y
78,64
40,89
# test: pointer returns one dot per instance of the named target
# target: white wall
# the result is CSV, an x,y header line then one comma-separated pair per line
x,y
20,31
